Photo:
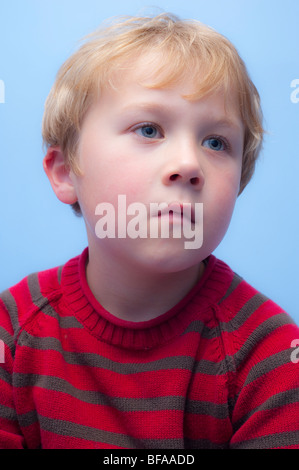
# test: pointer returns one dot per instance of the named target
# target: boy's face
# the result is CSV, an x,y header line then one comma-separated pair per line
x,y
154,146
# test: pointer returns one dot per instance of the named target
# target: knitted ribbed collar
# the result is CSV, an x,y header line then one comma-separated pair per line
x,y
196,305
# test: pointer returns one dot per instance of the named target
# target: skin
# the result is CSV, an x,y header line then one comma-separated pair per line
x,y
152,145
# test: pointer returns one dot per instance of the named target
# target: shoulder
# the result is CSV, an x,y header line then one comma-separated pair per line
x,y
258,339
20,303
242,302
251,324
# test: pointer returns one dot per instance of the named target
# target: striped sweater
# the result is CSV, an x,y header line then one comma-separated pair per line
x,y
213,372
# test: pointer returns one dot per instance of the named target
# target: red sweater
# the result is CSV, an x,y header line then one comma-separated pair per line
x,y
213,372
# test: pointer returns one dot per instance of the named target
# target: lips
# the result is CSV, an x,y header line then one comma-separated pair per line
x,y
183,209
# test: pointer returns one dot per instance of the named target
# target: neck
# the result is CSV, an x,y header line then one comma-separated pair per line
x,y
134,295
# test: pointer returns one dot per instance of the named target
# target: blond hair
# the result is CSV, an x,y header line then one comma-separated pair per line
x,y
187,46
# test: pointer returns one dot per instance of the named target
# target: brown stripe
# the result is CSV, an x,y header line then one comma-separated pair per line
x,y
7,339
8,413
277,440
268,364
59,272
234,284
66,428
244,313
5,376
230,326
28,419
34,288
123,404
278,400
42,303
95,360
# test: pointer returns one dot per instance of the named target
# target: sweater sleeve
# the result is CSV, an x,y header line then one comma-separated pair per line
x,y
265,388
10,433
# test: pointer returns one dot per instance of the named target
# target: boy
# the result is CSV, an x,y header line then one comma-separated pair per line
x,y
143,341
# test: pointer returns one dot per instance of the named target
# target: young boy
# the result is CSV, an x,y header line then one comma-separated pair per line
x,y
144,341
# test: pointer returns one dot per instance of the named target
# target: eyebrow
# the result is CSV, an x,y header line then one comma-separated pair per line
x,y
164,110
148,107
227,122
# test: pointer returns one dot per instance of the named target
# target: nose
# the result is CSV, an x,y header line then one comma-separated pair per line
x,y
184,167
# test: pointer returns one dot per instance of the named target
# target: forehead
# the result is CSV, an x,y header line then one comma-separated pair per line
x,y
158,70
152,73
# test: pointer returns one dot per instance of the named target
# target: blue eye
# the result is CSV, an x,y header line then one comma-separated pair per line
x,y
148,131
215,143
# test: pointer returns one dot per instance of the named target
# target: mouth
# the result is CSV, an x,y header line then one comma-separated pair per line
x,y
177,209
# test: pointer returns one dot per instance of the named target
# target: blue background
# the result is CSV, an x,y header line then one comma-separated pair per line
x,y
38,232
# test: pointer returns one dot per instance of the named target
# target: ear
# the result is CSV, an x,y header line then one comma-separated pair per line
x,y
59,175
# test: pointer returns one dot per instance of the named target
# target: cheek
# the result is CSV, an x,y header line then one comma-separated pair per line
x,y
111,167
227,197
105,183
217,215
221,202
224,213
123,178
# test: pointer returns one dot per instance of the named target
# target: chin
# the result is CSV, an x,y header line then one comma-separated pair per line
x,y
167,258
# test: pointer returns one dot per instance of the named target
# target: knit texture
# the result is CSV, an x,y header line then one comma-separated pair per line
x,y
213,372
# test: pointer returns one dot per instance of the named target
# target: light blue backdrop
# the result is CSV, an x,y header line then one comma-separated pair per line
x,y
38,232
